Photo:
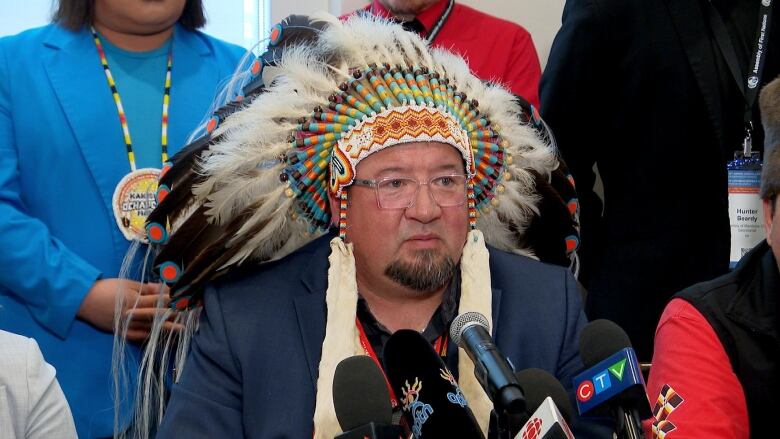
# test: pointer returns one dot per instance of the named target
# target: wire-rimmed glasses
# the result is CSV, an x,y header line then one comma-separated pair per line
x,y
400,192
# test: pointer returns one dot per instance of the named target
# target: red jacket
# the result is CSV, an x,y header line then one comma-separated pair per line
x,y
694,391
496,50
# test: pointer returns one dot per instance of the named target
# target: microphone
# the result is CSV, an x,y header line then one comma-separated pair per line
x,y
550,419
546,423
362,401
492,369
432,402
537,385
612,382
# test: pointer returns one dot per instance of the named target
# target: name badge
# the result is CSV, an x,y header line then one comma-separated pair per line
x,y
134,199
746,211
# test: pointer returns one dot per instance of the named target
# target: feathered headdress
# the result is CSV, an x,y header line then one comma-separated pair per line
x,y
324,96
256,186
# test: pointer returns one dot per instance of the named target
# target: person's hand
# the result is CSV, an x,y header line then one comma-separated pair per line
x,y
140,304
152,301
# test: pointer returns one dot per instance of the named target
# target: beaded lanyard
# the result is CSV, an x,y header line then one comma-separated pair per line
x,y
120,108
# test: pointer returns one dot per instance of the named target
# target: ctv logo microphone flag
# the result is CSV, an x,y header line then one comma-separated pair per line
x,y
606,379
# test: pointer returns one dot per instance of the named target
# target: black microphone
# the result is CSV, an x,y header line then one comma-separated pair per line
x,y
553,411
470,331
612,382
432,402
539,384
362,401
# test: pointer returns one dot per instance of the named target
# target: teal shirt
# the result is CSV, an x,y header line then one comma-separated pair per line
x,y
140,80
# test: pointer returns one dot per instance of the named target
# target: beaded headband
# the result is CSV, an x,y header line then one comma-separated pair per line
x,y
394,126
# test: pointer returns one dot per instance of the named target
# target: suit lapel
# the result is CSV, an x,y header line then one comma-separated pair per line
x,y
496,309
311,309
71,62
195,77
693,31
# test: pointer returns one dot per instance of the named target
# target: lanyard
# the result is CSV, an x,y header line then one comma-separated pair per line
x,y
440,22
749,86
121,111
440,346
437,25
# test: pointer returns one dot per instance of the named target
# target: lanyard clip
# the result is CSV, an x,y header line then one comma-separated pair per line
x,y
747,143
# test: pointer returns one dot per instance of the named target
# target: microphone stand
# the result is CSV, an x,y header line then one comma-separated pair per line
x,y
499,420
628,424
506,407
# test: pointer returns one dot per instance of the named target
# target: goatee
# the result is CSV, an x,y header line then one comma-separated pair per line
x,y
427,272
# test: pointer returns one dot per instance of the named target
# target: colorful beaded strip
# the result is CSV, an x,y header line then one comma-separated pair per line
x,y
120,109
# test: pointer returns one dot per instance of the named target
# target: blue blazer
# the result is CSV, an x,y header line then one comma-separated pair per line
x,y
253,365
61,155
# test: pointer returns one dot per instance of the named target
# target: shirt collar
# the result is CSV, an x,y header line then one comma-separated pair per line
x,y
427,17
438,325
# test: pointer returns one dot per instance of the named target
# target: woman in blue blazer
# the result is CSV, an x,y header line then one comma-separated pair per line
x,y
62,153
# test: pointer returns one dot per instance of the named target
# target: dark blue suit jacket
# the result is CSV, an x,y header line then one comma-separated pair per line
x,y
252,369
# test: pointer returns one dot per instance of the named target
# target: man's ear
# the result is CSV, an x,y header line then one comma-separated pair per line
x,y
335,209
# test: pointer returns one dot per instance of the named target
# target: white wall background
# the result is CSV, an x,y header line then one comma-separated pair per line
x,y
244,21
226,18
17,16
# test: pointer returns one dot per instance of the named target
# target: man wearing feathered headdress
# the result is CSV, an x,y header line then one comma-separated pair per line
x,y
365,183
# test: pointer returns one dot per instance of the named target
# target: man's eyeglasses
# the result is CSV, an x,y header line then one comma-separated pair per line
x,y
400,192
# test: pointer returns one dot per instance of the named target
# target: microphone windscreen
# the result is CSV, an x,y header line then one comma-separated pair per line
x,y
360,394
599,339
462,321
433,404
538,384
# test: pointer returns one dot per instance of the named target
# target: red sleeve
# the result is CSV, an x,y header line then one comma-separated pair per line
x,y
692,388
523,68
